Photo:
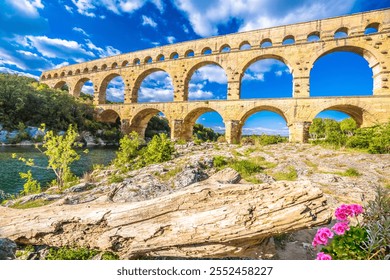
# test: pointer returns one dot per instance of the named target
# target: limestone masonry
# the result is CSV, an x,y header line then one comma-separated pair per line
x,y
225,51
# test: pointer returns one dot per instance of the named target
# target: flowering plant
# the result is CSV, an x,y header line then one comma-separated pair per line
x,y
369,239
348,240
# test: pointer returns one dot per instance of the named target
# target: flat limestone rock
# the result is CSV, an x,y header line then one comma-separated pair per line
x,y
203,221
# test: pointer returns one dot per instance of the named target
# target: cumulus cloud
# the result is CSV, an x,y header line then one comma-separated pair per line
x,y
257,70
211,74
206,16
148,21
157,87
27,7
24,60
89,7
69,9
196,92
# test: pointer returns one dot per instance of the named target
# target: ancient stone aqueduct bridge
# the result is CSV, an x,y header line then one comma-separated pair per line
x,y
226,52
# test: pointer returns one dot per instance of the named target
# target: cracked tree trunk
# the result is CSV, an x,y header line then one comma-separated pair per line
x,y
203,221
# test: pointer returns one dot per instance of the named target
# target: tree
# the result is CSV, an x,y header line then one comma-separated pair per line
x,y
128,150
61,153
317,128
348,126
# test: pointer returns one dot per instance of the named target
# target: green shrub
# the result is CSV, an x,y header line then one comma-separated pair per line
x,y
31,186
246,167
290,175
220,161
351,172
159,149
115,179
128,150
263,140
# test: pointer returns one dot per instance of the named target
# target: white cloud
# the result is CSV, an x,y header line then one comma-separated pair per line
x,y
58,48
27,7
108,51
65,63
196,92
205,16
80,30
24,60
69,9
85,7
211,74
171,39
249,76
185,29
89,7
148,21
157,87
10,71
257,70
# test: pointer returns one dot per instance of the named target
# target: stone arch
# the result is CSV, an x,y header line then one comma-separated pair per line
x,y
148,59
43,77
288,40
109,116
160,57
136,61
245,115
140,120
114,65
55,75
266,43
174,55
192,70
190,119
59,84
225,48
341,30
104,67
206,51
189,53
125,63
62,74
356,112
70,73
85,70
140,79
313,36
79,85
49,76
78,72
366,53
104,84
374,25
94,69
245,45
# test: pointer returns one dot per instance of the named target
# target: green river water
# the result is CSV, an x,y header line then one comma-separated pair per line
x,y
10,181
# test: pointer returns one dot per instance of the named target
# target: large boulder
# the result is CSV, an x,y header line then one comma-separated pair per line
x,y
7,249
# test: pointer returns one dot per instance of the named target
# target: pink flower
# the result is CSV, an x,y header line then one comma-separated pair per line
x,y
343,212
322,236
322,256
340,228
356,209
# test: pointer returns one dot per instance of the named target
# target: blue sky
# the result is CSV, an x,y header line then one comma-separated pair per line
x,y
37,35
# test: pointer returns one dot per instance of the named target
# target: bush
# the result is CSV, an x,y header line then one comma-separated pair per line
x,y
159,149
128,150
263,140
219,161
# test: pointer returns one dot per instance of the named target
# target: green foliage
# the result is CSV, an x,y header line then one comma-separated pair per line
x,y
31,204
375,140
351,172
171,173
220,161
263,140
61,153
159,149
157,125
31,186
130,156
115,179
66,253
128,151
348,246
290,175
204,133
245,167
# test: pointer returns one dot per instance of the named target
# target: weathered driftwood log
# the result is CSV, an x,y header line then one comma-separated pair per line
x,y
212,220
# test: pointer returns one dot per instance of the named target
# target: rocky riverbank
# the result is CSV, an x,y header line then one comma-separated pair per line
x,y
342,176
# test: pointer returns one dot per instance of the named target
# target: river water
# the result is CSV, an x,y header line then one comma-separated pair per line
x,y
10,181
